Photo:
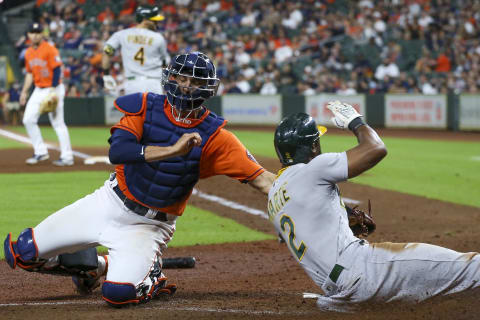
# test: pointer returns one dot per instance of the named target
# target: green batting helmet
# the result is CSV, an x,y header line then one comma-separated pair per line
x,y
150,13
295,137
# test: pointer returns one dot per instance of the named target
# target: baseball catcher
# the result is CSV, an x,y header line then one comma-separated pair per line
x,y
50,103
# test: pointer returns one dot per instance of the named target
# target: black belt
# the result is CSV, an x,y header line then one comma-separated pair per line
x,y
335,273
138,208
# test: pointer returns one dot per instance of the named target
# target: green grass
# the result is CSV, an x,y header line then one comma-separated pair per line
x,y
27,199
79,136
442,170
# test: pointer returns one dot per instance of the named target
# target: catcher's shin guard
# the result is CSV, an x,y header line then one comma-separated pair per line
x,y
23,252
118,294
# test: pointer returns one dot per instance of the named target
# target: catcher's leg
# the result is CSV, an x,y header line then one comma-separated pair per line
x,y
154,285
24,254
135,268
30,120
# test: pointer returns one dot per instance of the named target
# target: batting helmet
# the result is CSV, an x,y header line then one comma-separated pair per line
x,y
295,138
195,65
148,13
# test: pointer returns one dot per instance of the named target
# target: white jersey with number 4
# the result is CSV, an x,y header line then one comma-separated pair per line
x,y
143,51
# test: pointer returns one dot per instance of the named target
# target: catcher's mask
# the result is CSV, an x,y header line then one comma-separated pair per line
x,y
297,139
196,69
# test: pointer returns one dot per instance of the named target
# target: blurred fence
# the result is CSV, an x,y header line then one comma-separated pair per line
x,y
449,112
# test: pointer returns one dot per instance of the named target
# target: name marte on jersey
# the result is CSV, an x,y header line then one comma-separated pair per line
x,y
139,39
278,201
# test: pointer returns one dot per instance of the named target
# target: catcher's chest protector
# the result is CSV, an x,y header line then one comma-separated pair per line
x,y
163,183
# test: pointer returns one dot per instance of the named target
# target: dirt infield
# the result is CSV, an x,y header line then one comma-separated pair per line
x,y
257,280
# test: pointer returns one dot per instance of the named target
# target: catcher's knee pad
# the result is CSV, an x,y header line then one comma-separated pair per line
x,y
118,294
23,252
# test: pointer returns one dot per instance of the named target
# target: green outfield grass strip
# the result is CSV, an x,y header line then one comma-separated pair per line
x,y
443,170
437,169
27,199
80,136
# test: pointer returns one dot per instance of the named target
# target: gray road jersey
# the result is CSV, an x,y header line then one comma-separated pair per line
x,y
304,205
143,51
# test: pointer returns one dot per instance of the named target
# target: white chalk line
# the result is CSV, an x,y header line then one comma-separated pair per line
x,y
196,192
153,307
476,158
25,140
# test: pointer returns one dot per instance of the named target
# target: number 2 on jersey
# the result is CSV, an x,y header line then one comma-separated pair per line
x,y
300,250
139,56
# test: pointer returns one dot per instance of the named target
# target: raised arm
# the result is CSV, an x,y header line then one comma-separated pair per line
x,y
370,149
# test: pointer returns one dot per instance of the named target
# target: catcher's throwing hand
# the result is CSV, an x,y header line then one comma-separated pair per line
x,y
50,103
187,142
343,113
361,223
109,82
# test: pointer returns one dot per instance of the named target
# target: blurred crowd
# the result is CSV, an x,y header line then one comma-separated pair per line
x,y
286,46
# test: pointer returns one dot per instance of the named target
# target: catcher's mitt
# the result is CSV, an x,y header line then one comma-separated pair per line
x,y
50,103
362,224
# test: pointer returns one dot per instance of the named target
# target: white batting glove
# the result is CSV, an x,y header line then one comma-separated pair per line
x,y
343,113
109,82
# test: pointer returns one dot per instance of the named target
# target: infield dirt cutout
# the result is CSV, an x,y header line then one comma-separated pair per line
x,y
254,280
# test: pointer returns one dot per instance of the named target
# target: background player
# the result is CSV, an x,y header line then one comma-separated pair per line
x,y
144,54
162,146
305,206
43,66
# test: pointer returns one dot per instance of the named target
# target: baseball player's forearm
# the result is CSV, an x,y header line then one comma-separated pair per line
x,y
263,182
124,148
183,146
28,83
368,153
105,63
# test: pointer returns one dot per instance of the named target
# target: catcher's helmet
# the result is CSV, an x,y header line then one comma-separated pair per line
x,y
295,138
195,65
148,13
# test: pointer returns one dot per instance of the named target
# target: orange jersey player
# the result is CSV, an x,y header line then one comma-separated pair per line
x,y
224,154
43,66
162,146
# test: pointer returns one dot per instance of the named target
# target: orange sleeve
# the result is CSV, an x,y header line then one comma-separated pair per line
x,y
53,58
224,154
132,124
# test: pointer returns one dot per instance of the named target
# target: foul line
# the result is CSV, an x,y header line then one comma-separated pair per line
x,y
25,140
162,307
196,192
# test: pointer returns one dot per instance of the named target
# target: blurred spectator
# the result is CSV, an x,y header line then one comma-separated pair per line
x,y
443,63
3,111
268,87
347,89
426,86
387,68
12,104
338,43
